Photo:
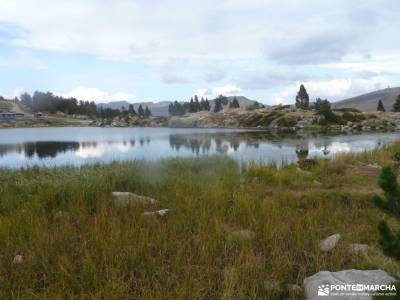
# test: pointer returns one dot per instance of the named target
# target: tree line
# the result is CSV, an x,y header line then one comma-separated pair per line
x,y
195,105
50,103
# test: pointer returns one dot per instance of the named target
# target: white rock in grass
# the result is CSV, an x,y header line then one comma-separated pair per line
x,y
320,284
241,235
18,259
358,248
127,198
330,242
160,213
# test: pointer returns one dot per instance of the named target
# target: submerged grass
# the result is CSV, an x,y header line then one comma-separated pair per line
x,y
76,244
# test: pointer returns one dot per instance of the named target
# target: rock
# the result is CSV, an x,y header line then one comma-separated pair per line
x,y
159,213
323,282
18,259
127,198
358,248
330,242
241,235
373,166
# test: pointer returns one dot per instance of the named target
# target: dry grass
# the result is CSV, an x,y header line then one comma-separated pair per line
x,y
76,244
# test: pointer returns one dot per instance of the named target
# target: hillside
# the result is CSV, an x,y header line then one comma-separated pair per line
x,y
368,102
161,108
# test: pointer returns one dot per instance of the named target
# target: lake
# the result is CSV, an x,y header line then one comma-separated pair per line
x,y
25,147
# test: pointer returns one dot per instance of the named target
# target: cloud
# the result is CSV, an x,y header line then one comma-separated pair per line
x,y
97,95
265,78
226,90
213,73
21,58
172,72
314,32
333,90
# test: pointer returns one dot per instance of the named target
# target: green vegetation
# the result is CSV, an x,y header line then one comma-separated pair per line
x,y
194,105
50,103
302,98
5,105
389,239
75,243
380,106
396,105
234,103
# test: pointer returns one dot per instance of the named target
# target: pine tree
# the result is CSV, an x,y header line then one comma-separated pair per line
x,y
131,109
207,105
171,109
141,111
234,103
218,105
380,106
302,98
396,105
389,239
147,112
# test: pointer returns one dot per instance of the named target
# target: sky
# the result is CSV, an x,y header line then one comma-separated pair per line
x,y
153,50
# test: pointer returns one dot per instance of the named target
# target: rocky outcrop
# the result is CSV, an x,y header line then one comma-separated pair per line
x,y
324,283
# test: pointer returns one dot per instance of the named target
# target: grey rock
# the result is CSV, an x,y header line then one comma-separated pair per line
x,y
241,235
127,198
18,259
352,277
358,248
159,213
330,242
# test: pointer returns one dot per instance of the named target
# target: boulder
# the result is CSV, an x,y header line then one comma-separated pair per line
x,y
358,248
330,242
18,259
321,284
127,198
241,235
158,213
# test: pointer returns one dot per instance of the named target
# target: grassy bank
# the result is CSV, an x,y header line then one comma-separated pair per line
x,y
76,244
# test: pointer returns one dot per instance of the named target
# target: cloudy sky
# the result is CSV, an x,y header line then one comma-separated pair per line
x,y
153,50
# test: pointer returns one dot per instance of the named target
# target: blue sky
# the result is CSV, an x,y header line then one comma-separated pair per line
x,y
157,50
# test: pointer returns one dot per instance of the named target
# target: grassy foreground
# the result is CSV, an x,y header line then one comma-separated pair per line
x,y
76,244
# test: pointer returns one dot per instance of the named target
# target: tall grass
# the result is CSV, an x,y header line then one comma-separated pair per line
x,y
76,244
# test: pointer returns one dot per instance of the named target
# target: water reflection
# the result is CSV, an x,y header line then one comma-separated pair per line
x,y
50,146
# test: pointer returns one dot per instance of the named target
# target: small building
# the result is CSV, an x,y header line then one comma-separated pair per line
x,y
39,115
7,116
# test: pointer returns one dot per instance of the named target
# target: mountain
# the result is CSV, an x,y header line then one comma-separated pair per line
x,y
369,101
161,108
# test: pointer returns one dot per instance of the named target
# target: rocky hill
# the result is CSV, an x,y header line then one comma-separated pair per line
x,y
369,102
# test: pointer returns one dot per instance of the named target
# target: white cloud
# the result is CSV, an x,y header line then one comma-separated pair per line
x,y
226,90
22,58
97,95
333,90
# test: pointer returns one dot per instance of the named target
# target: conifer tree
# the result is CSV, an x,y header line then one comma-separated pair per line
x,y
140,110
234,103
218,105
302,98
396,105
147,112
389,239
380,106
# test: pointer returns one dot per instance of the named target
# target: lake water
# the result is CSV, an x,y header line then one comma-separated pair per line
x,y
77,146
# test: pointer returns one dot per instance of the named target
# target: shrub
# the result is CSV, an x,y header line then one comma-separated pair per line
x,y
389,239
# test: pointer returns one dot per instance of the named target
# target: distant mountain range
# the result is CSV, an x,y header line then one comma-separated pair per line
x,y
369,101
161,108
